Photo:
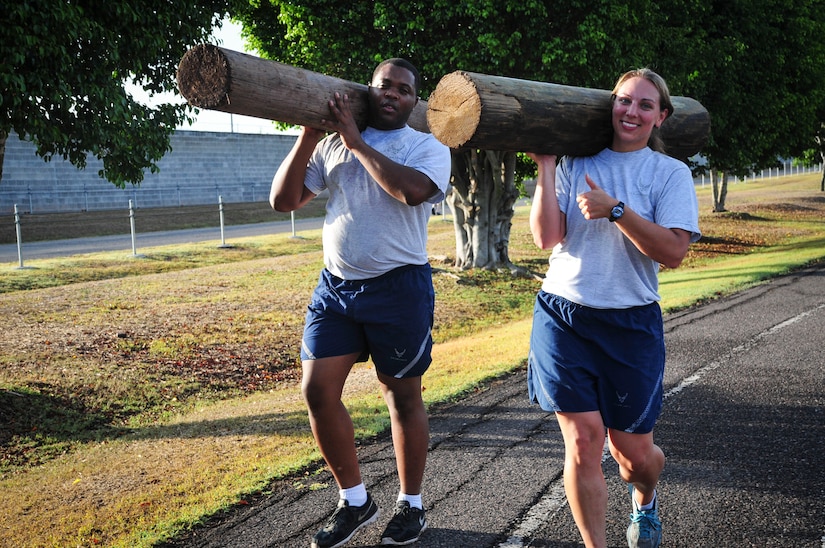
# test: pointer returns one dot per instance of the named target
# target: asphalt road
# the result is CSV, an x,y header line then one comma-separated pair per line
x,y
743,428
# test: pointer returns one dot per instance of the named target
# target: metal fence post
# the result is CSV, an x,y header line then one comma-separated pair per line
x,y
220,210
132,225
19,236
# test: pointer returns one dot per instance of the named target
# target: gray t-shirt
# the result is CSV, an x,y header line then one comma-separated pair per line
x,y
366,231
596,265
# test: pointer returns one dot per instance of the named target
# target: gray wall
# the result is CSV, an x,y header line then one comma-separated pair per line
x,y
201,166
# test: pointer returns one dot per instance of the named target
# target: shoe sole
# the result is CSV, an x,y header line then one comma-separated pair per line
x,y
369,521
389,541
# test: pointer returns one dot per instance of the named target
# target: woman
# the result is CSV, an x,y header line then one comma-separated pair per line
x,y
597,347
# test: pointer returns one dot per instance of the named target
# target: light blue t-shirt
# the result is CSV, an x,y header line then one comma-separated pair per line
x,y
596,265
366,231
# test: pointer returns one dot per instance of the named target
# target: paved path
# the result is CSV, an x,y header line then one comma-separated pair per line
x,y
743,427
60,248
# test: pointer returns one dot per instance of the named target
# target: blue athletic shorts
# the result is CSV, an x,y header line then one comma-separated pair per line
x,y
389,318
589,359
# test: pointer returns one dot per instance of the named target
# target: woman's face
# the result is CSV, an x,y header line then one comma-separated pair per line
x,y
636,112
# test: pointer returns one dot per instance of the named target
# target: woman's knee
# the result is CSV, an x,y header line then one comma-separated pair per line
x,y
635,452
584,435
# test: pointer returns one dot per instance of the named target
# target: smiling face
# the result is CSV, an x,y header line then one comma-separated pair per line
x,y
636,111
392,96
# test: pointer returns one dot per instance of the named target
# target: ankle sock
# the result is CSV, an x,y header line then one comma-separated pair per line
x,y
414,500
650,505
356,496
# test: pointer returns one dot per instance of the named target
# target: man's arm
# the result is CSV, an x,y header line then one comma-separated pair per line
x,y
404,183
288,192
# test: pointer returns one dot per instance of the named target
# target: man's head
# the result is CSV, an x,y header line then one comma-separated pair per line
x,y
393,93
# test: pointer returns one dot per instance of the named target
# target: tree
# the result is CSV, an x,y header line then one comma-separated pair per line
x,y
63,71
577,43
758,66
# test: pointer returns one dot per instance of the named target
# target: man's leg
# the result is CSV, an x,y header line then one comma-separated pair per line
x,y
584,482
411,439
322,385
410,429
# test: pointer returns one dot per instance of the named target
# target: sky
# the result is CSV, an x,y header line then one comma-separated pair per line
x,y
229,37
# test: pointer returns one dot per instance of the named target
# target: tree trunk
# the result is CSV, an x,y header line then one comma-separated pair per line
x,y
821,171
482,200
229,81
719,184
497,113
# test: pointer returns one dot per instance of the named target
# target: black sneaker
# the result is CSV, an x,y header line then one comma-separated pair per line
x,y
344,523
406,525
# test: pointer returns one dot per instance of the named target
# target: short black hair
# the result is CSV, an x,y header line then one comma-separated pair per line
x,y
403,63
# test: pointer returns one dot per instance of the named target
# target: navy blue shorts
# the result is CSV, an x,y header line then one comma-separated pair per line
x,y
388,318
589,359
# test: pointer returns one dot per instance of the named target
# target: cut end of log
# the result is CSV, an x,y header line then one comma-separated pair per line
x,y
454,110
203,77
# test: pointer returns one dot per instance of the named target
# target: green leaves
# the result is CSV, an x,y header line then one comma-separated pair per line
x,y
63,70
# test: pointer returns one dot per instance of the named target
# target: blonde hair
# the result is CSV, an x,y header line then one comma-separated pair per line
x,y
655,141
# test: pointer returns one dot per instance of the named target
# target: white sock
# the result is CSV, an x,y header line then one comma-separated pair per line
x,y
414,500
649,505
356,496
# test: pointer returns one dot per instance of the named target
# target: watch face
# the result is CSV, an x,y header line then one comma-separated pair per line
x,y
616,212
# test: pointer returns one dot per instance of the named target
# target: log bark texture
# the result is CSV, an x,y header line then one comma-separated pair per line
x,y
220,79
471,110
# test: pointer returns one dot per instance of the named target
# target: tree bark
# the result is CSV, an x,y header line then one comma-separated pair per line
x,y
482,198
215,78
719,185
496,113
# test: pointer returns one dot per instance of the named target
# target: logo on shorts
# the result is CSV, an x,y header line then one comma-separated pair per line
x,y
621,398
400,353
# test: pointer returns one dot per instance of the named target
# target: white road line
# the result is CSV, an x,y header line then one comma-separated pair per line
x,y
555,499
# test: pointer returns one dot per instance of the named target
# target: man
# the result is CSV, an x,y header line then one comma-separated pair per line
x,y
375,296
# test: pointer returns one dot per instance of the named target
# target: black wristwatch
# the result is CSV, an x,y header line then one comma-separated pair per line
x,y
617,212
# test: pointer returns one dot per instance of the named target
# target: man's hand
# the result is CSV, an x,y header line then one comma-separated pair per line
x,y
343,121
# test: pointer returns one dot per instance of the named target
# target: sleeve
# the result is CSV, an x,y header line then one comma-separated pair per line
x,y
314,179
432,158
677,206
563,182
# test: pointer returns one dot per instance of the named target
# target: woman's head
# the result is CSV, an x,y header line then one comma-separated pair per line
x,y
641,103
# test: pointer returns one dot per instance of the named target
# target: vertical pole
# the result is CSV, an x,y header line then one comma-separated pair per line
x,y
132,224
220,211
19,236
292,218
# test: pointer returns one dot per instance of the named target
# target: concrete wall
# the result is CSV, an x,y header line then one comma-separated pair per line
x,y
201,166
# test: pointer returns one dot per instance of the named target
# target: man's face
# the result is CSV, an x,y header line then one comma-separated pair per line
x,y
392,97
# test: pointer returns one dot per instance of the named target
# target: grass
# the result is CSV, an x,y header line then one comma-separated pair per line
x,y
140,396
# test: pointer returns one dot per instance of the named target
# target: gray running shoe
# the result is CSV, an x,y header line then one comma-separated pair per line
x,y
344,523
645,529
406,525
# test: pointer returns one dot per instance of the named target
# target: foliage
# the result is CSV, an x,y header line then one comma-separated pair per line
x,y
772,79
64,65
572,42
757,68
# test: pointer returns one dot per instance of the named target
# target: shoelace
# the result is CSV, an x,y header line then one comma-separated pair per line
x,y
645,520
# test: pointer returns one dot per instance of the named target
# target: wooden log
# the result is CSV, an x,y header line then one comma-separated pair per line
x,y
216,78
496,113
